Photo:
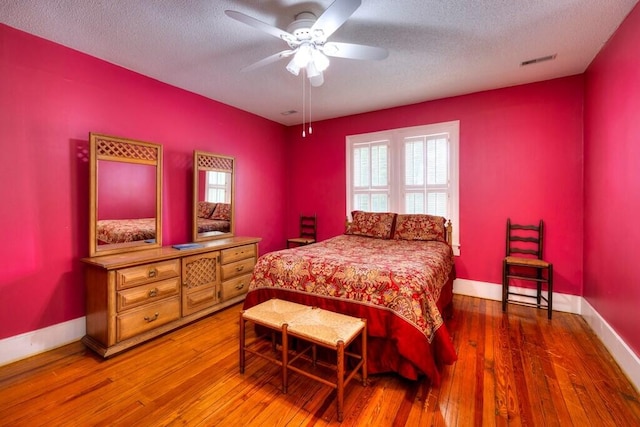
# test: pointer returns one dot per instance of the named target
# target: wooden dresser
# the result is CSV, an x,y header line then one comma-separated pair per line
x,y
135,296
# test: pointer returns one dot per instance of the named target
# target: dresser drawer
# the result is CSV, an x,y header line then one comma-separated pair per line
x,y
234,287
198,300
134,297
147,273
147,317
238,268
238,253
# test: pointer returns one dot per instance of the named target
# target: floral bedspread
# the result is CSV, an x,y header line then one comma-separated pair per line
x,y
126,230
402,276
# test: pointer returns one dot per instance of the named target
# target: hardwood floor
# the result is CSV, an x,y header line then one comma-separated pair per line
x,y
513,369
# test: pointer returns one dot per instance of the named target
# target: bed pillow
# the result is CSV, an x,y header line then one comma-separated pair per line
x,y
205,209
222,212
372,224
420,227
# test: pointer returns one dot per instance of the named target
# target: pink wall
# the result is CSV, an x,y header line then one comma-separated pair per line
x,y
612,181
51,97
520,156
126,190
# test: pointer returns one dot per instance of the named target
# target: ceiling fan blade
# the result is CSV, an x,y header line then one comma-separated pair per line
x,y
255,23
268,60
354,51
335,15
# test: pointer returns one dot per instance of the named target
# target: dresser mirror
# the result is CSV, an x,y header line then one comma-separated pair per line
x,y
125,195
213,191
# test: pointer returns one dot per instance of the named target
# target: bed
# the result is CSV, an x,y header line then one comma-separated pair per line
x,y
213,217
207,225
394,270
111,231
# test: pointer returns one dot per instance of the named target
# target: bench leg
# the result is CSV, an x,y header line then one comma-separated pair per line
x,y
340,383
285,358
364,353
242,338
314,354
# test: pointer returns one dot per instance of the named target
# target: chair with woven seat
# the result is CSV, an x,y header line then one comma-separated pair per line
x,y
524,262
307,232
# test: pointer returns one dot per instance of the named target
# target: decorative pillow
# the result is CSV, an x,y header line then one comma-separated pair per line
x,y
420,227
222,212
205,209
372,224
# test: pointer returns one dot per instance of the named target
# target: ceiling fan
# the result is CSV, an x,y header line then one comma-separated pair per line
x,y
307,39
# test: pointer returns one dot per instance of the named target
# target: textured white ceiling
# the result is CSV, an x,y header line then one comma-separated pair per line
x,y
437,48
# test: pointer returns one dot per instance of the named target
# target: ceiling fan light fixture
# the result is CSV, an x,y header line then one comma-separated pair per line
x,y
303,55
293,67
320,60
316,80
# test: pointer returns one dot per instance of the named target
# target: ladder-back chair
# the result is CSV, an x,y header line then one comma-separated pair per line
x,y
524,261
308,230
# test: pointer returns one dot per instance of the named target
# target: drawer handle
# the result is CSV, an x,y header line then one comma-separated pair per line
x,y
151,319
240,286
240,268
153,272
153,292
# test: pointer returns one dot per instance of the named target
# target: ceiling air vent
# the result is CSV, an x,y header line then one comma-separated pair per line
x,y
289,112
537,60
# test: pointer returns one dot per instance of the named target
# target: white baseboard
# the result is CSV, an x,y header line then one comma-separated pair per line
x,y
493,291
626,358
623,355
31,343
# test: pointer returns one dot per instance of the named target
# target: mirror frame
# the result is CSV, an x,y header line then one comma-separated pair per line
x,y
204,161
116,149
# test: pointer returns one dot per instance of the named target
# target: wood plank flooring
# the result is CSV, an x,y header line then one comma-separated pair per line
x,y
514,369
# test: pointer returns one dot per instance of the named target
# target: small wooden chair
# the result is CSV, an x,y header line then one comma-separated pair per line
x,y
526,241
308,232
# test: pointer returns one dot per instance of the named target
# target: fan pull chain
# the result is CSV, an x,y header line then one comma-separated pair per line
x,y
304,135
310,128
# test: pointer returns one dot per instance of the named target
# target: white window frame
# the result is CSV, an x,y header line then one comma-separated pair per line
x,y
226,187
373,189
396,167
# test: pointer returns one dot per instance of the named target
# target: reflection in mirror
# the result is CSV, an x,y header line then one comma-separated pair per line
x,y
213,191
125,197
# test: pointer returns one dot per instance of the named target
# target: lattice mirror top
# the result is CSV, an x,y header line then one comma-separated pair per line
x,y
206,161
213,196
115,149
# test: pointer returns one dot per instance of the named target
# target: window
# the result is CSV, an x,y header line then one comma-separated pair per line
x,y
218,187
371,176
408,170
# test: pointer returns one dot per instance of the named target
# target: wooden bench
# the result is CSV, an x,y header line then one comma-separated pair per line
x,y
314,326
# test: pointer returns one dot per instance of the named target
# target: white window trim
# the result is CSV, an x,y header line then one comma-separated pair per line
x,y
226,187
396,165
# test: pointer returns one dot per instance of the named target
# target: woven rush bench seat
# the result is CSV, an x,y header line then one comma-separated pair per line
x,y
313,325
